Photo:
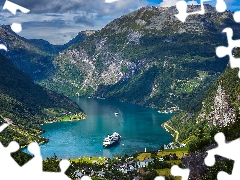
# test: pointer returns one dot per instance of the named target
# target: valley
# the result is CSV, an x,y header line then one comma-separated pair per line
x,y
147,59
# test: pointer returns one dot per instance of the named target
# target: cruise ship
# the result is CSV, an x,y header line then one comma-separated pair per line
x,y
111,140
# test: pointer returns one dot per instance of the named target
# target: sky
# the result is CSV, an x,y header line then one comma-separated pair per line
x,y
58,21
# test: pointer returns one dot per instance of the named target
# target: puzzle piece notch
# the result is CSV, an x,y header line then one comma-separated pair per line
x,y
31,169
16,27
85,178
228,150
210,159
182,9
12,7
159,178
3,126
5,156
236,16
64,164
221,6
35,164
177,171
222,51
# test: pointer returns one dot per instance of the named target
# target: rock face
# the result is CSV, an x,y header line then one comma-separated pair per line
x,y
147,57
222,114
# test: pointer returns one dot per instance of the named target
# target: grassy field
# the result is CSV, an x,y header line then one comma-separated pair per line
x,y
143,156
166,172
91,160
178,151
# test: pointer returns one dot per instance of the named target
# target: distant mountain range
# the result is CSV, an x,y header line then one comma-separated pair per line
x,y
34,56
146,57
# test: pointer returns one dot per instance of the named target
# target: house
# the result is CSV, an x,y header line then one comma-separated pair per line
x,y
78,174
144,163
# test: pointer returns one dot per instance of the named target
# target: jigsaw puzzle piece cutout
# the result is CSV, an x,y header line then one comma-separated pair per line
x,y
35,164
228,150
64,164
4,125
223,176
232,147
210,159
85,178
221,6
12,7
2,46
159,178
16,27
182,10
236,16
177,171
6,169
222,51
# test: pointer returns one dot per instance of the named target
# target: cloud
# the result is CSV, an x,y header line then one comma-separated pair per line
x,y
90,6
83,20
168,3
63,19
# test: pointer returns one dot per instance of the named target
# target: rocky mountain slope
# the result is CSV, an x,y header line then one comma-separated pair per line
x,y
26,105
146,57
219,113
33,56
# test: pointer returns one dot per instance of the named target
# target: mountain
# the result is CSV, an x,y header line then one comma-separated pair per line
x,y
79,38
33,56
219,112
26,106
146,57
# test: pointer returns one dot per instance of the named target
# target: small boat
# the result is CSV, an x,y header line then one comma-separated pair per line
x,y
116,114
111,140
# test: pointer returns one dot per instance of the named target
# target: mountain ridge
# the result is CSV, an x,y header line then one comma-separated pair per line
x,y
112,62
26,105
34,56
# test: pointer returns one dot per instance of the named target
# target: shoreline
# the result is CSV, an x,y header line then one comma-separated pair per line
x,y
70,120
166,128
67,118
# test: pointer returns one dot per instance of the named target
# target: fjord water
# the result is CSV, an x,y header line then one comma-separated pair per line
x,y
140,128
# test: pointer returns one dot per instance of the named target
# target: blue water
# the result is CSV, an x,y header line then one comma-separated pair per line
x,y
140,128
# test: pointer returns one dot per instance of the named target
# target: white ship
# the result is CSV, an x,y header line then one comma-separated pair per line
x,y
111,140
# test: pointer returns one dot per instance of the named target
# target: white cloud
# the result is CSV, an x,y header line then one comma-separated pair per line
x,y
168,3
64,19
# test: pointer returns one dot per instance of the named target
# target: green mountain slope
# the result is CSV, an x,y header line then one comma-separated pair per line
x,y
219,113
26,105
33,56
147,57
